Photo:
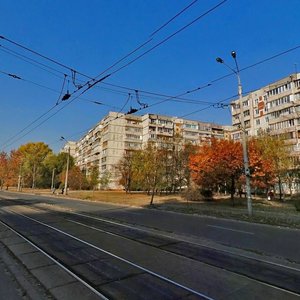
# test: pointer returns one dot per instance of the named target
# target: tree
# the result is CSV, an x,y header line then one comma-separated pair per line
x,y
274,149
125,168
105,179
217,163
15,167
33,156
76,179
150,169
94,177
261,166
56,162
3,168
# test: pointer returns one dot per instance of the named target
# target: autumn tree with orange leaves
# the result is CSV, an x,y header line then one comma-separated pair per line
x,y
9,168
220,163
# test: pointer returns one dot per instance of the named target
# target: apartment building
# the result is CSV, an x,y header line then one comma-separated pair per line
x,y
274,108
105,144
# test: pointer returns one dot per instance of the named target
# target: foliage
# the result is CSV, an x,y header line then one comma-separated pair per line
x,y
125,168
192,193
33,155
3,169
76,179
217,163
10,168
104,180
297,205
94,177
220,163
161,167
274,150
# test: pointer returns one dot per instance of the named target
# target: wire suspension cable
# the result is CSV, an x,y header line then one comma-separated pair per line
x,y
173,18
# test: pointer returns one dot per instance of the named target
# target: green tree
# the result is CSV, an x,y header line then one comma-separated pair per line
x,y
94,177
33,156
149,169
56,162
105,179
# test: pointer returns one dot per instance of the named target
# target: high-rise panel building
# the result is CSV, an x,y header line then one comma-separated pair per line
x,y
274,109
105,144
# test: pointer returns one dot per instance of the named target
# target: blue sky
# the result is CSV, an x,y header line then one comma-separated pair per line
x,y
89,36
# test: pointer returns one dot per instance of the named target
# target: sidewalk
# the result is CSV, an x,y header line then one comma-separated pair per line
x,y
9,288
16,282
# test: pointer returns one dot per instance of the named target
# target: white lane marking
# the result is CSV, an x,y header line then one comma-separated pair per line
x,y
105,220
56,262
182,239
221,250
230,229
186,240
115,256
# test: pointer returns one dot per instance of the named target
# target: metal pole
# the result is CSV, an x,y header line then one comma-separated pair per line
x,y
52,181
19,179
67,174
245,148
243,130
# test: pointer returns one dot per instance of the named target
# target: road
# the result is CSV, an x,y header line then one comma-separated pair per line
x,y
132,253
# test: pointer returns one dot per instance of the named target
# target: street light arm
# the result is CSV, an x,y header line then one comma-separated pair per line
x,y
221,61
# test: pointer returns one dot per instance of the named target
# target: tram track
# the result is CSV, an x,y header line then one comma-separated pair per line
x,y
286,279
169,289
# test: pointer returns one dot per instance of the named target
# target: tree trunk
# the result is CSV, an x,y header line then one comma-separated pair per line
x,y
33,176
152,196
280,188
232,190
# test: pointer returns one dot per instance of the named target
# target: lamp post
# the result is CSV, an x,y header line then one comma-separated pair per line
x,y
19,189
67,170
244,141
52,181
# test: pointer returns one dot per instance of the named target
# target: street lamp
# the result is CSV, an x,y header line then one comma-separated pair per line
x,y
67,169
244,141
52,181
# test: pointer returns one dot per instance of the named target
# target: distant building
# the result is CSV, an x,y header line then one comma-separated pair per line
x,y
106,143
69,145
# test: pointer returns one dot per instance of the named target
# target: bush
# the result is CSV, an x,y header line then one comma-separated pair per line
x,y
197,194
297,204
206,194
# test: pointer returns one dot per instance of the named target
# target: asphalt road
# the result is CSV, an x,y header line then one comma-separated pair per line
x,y
204,257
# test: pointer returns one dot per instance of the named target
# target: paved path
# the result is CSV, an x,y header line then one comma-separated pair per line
x,y
9,288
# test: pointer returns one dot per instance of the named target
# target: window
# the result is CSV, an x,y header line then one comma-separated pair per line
x,y
246,113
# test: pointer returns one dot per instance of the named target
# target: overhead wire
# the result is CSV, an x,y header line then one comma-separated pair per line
x,y
94,81
91,85
170,36
198,88
26,59
31,61
173,18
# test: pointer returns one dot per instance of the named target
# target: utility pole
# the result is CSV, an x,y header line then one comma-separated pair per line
x,y
243,130
19,189
67,173
52,181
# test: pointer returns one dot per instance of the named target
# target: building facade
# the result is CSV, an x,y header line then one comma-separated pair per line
x,y
274,108
105,144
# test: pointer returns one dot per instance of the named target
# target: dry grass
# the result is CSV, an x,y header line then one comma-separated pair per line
x,y
267,212
120,197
